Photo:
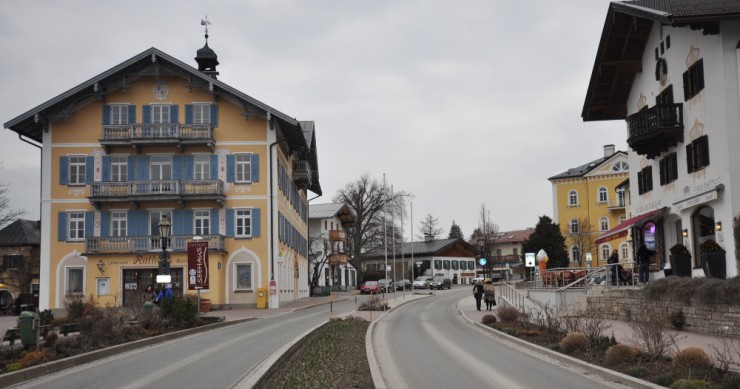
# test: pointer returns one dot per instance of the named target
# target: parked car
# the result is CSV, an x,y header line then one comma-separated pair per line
x,y
370,287
386,285
475,280
422,282
440,283
403,284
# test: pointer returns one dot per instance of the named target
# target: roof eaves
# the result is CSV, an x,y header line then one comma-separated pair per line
x,y
643,12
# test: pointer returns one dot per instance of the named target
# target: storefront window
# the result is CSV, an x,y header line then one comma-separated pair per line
x,y
648,236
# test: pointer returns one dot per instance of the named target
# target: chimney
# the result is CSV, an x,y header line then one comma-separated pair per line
x,y
428,238
608,150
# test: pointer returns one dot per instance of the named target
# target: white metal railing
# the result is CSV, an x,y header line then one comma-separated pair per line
x,y
153,131
156,188
130,244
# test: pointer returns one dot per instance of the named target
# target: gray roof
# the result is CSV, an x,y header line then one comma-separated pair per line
x,y
582,170
326,211
680,11
423,248
21,233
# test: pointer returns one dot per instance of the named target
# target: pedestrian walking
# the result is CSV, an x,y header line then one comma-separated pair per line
x,y
613,260
149,295
489,294
643,261
478,293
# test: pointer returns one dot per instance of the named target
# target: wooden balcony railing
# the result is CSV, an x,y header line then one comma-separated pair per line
x,y
157,134
337,235
135,244
337,259
655,130
156,190
302,173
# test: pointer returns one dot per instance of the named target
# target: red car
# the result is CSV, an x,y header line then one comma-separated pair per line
x,y
370,287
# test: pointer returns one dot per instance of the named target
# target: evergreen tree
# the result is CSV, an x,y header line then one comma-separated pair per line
x,y
547,236
455,232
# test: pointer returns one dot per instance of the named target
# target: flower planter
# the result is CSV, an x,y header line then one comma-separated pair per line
x,y
681,265
714,264
205,305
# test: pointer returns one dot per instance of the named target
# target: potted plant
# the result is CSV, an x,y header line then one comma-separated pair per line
x,y
680,260
713,259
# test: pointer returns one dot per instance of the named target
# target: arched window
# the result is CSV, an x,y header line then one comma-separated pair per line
x,y
625,249
620,166
574,226
603,195
622,218
604,223
605,251
575,253
573,198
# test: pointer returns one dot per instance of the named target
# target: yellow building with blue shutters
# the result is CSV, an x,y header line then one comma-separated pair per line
x,y
154,137
589,200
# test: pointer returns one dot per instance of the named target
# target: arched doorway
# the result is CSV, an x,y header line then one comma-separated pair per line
x,y
703,228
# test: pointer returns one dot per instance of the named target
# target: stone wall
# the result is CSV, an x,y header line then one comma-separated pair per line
x,y
625,305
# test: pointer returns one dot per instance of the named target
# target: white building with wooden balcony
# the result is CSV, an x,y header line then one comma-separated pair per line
x,y
155,137
330,268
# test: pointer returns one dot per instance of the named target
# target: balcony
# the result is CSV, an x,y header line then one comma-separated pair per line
x,y
162,190
616,204
302,174
139,244
655,130
337,235
159,134
337,259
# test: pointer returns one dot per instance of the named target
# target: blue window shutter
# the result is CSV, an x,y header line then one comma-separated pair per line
x,y
178,222
255,167
142,167
229,223
214,167
256,222
89,169
188,113
131,167
105,223
146,113
174,114
137,223
189,167
63,170
106,169
177,167
131,114
230,168
106,114
89,224
62,226
188,222
214,222
214,115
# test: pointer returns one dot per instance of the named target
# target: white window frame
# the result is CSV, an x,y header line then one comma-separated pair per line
x,y
118,223
119,168
153,230
603,195
620,166
605,251
201,113
573,198
238,285
76,226
201,222
575,253
621,197
164,165
243,222
76,170
625,250
201,166
574,226
119,114
604,223
243,167
622,218
161,113
68,280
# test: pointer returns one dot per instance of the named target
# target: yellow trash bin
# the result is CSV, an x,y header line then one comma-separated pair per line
x,y
261,298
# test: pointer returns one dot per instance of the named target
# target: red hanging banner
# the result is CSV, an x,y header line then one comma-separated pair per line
x,y
198,274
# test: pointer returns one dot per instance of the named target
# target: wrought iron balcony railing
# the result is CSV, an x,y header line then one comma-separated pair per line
x,y
158,134
157,190
655,130
302,173
137,244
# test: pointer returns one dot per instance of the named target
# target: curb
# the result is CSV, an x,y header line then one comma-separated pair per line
x,y
591,368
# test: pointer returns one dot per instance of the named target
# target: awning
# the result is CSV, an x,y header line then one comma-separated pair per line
x,y
622,229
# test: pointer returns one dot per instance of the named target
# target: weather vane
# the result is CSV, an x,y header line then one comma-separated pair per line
x,y
205,22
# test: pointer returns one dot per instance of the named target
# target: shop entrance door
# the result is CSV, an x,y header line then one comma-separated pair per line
x,y
135,282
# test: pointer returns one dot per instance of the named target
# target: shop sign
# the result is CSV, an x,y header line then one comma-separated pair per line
x,y
198,274
130,286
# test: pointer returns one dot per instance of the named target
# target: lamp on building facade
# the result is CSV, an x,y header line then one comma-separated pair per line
x,y
163,275
101,266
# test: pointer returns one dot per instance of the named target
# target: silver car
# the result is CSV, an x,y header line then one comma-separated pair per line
x,y
422,282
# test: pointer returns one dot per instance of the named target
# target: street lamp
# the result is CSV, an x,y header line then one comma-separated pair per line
x,y
163,275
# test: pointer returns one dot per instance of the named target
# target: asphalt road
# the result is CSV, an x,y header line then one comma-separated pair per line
x,y
428,344
218,358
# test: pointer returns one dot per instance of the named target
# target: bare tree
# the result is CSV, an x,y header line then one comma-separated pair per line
x,y
487,235
317,252
582,238
429,226
7,213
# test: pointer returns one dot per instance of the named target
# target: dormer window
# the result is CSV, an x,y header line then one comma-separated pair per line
x,y
620,166
201,113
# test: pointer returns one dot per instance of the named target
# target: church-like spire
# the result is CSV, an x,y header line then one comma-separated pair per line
x,y
205,57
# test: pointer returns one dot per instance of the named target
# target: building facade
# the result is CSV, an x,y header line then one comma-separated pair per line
x,y
329,267
671,71
19,270
155,138
587,202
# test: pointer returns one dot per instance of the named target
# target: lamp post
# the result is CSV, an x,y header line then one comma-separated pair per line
x,y
163,275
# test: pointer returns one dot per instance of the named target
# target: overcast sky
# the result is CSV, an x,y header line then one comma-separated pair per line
x,y
458,103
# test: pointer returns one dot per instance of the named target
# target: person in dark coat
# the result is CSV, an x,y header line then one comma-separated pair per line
x,y
478,293
643,261
613,260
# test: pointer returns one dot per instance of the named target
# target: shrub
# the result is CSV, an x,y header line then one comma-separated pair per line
x,y
691,358
678,320
528,333
508,314
13,367
47,317
649,333
180,313
574,341
620,353
731,382
488,319
32,358
664,380
374,305
75,306
637,371
688,384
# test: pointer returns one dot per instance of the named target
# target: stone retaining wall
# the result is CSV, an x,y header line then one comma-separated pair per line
x,y
624,305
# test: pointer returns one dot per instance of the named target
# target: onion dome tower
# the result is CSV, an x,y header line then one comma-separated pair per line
x,y
205,57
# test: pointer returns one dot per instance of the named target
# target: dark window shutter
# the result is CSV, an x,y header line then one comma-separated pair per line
x,y
177,167
142,167
639,183
648,179
137,223
131,114
105,223
89,224
146,113
699,76
674,167
255,167
188,222
256,220
174,114
214,167
689,158
63,170
662,171
229,223
230,168
106,169
106,114
704,147
62,226
686,86
179,222
189,167
188,113
89,169
131,167
214,222
214,115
